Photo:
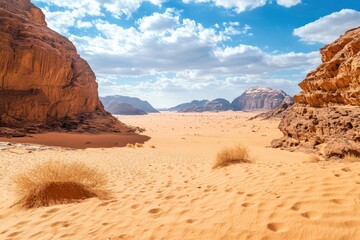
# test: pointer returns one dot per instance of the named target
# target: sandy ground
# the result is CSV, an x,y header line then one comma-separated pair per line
x,y
167,189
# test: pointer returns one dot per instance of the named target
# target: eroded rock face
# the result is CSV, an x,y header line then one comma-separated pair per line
x,y
260,98
326,116
43,81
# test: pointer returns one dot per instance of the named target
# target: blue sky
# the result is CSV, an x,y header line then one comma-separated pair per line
x,y
169,52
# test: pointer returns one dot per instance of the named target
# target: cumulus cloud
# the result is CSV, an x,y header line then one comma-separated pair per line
x,y
327,29
244,5
160,22
176,46
93,7
288,3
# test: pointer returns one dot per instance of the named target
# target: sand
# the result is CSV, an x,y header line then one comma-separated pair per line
x,y
167,188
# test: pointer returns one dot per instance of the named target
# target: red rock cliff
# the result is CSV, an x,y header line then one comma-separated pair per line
x,y
326,114
43,81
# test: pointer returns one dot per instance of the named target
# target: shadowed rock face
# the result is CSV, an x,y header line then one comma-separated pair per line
x,y
260,98
326,115
43,81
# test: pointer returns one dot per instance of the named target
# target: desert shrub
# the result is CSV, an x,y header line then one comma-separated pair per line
x,y
56,182
233,155
351,158
313,159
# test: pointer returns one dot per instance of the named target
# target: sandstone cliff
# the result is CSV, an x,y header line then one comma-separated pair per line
x,y
260,98
326,115
44,84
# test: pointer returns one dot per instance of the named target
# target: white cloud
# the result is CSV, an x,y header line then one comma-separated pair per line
x,y
327,29
238,6
288,3
160,22
184,46
59,21
82,24
117,8
244,5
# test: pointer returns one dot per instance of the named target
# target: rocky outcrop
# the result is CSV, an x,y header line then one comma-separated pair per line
x,y
44,84
124,109
193,104
215,105
326,115
260,98
135,102
278,112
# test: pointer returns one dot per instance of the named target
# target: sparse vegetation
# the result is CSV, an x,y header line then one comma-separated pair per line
x,y
351,158
134,145
313,159
233,155
56,182
136,129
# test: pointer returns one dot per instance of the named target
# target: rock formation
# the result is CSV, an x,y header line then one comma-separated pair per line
x,y
326,115
192,104
44,84
135,102
215,105
278,112
124,109
260,98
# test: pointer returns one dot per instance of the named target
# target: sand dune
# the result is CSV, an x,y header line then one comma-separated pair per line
x,y
172,192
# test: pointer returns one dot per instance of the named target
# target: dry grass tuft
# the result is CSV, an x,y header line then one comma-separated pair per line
x,y
56,182
351,158
233,155
313,159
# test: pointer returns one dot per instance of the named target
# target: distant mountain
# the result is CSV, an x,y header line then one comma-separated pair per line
x,y
135,102
124,109
215,105
194,104
260,98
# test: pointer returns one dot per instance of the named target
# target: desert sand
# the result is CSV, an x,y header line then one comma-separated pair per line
x,y
167,188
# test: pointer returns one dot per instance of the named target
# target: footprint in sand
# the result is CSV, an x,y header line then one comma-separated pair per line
x,y
154,210
342,202
277,227
312,215
135,206
169,197
296,206
247,204
190,221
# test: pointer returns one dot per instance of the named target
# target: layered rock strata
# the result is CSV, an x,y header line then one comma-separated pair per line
x,y
326,115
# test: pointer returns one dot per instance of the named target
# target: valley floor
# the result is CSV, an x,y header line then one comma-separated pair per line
x,y
167,188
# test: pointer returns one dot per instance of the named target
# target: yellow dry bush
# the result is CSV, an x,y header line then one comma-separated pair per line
x,y
233,155
56,182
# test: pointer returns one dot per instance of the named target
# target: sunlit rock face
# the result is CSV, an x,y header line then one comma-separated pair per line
x,y
326,114
43,81
260,98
